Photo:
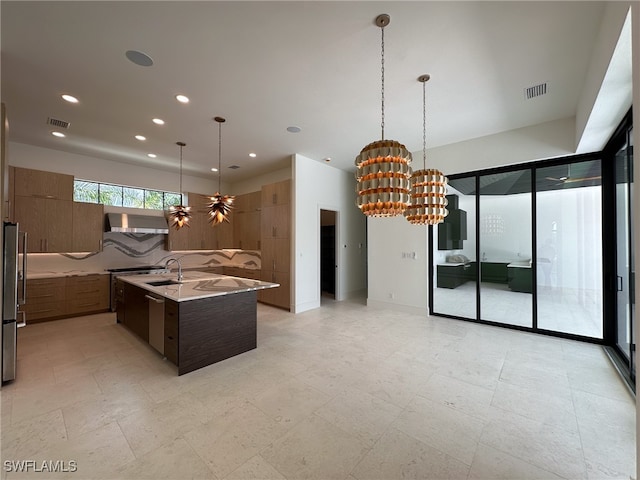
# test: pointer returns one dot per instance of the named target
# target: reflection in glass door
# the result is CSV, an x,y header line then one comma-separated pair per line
x,y
454,253
506,282
569,248
624,255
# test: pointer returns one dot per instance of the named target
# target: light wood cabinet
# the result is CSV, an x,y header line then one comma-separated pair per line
x,y
38,183
42,203
87,294
48,223
46,299
60,297
278,193
246,221
276,243
224,232
88,223
199,235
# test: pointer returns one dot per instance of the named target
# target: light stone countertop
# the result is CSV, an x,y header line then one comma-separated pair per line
x,y
68,273
196,285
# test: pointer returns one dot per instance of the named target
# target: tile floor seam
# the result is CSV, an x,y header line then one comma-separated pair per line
x,y
522,459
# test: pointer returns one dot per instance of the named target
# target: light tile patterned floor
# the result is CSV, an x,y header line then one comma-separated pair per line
x,y
343,392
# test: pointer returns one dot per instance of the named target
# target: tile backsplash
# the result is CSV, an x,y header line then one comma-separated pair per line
x,y
138,249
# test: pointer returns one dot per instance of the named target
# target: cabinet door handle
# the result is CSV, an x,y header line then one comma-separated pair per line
x,y
273,231
274,198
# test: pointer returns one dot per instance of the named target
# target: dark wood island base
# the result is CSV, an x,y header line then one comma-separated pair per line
x,y
202,320
209,330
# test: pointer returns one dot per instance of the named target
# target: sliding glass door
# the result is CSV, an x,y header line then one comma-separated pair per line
x,y
522,246
569,248
506,283
625,304
454,253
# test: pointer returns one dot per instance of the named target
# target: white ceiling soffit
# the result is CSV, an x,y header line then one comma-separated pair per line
x,y
614,97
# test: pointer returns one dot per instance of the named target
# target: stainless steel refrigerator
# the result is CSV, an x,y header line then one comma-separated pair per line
x,y
14,295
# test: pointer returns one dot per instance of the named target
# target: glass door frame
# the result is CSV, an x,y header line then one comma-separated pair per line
x,y
621,137
606,274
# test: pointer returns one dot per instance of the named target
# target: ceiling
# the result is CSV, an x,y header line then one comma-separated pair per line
x,y
266,66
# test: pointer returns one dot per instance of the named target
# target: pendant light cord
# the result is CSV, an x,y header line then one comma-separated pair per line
x,y
382,75
181,198
219,155
424,126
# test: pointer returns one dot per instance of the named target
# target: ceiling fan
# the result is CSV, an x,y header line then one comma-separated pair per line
x,y
569,179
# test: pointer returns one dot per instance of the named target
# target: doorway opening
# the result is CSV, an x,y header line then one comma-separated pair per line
x,y
328,265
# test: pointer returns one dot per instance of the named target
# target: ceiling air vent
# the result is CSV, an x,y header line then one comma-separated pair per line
x,y
535,91
57,123
234,167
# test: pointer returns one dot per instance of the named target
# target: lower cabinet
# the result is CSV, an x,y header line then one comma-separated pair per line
x,y
278,297
45,299
60,297
87,294
520,279
136,311
493,272
171,313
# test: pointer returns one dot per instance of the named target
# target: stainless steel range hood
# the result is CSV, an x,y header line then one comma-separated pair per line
x,y
123,222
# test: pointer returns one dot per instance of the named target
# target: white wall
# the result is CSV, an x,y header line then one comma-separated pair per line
x,y
545,140
319,186
395,280
99,169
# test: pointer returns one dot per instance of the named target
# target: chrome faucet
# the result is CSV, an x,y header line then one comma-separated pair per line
x,y
166,265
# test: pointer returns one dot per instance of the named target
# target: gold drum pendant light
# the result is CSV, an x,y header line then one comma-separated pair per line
x,y
180,214
383,166
221,205
428,186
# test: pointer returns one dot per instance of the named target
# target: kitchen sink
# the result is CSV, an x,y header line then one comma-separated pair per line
x,y
162,283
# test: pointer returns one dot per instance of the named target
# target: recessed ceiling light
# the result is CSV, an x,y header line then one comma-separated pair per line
x,y
58,134
158,121
69,98
139,58
142,138
214,169
151,155
182,98
328,159
294,129
252,155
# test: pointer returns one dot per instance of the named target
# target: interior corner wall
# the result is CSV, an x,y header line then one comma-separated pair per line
x,y
101,170
318,186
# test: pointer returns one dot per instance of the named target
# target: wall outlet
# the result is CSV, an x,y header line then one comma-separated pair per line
x,y
392,296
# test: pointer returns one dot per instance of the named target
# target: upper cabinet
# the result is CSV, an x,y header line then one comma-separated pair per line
x,y
276,194
241,231
88,223
43,206
37,183
245,218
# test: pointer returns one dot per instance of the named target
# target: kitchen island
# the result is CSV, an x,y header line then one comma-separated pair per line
x,y
204,319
